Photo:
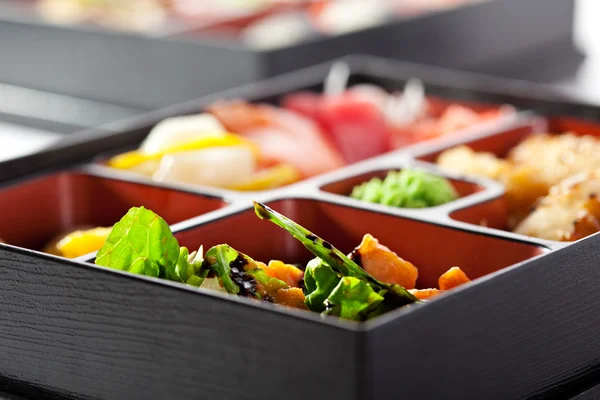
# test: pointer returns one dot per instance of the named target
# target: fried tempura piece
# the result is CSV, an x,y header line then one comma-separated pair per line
x,y
424,294
384,264
557,157
523,188
452,278
530,169
570,211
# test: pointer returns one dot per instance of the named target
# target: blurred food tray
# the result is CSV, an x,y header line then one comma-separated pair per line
x,y
149,72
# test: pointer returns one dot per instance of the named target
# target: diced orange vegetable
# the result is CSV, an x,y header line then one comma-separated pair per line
x,y
424,294
452,278
284,272
292,297
384,264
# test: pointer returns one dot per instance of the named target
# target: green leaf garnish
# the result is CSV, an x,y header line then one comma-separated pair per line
x,y
353,299
319,281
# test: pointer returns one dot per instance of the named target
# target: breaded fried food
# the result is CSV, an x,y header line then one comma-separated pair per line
x,y
463,160
521,182
530,169
556,157
570,211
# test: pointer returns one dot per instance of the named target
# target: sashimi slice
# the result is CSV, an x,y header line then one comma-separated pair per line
x,y
283,136
357,127
353,122
309,155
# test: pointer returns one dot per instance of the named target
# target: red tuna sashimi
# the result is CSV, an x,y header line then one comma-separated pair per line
x,y
282,136
356,126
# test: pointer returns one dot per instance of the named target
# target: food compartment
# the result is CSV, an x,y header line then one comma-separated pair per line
x,y
551,175
295,133
431,248
37,210
417,185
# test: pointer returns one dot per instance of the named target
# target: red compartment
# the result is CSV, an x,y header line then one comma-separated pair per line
x,y
344,187
501,144
35,211
433,249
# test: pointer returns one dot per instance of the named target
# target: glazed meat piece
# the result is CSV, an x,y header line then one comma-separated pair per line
x,y
569,212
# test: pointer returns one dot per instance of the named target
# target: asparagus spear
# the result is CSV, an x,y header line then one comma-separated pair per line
x,y
332,256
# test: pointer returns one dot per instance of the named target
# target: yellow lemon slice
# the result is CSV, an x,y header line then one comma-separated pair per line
x,y
80,243
136,157
280,175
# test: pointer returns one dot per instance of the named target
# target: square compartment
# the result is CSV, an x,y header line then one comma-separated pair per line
x,y
344,227
35,210
134,323
344,186
494,213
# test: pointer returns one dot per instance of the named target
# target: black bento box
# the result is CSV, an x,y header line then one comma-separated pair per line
x,y
149,72
529,330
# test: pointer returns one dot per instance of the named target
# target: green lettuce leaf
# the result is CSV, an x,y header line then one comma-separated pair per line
x,y
353,299
142,243
319,281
